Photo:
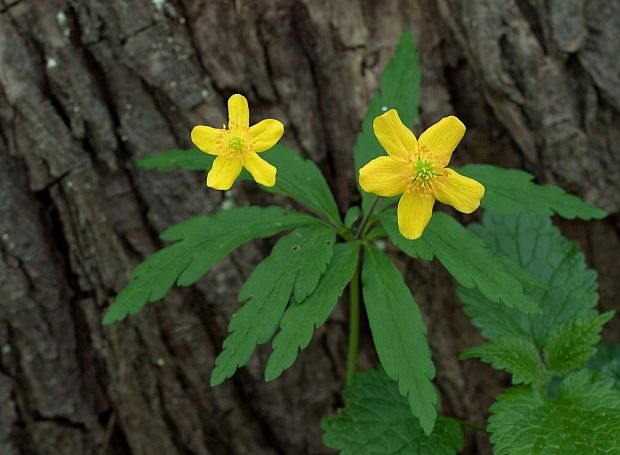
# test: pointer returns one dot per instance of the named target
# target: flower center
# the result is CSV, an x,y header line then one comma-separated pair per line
x,y
426,175
235,142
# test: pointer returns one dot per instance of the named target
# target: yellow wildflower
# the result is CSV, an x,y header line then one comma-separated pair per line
x,y
238,145
417,170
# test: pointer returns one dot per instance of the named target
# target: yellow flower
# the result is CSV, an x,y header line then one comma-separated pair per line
x,y
417,169
238,146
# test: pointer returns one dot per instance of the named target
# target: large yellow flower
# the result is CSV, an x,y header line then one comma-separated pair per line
x,y
238,145
417,169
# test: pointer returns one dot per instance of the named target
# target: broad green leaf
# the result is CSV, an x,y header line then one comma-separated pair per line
x,y
376,420
352,216
301,179
607,361
570,345
517,356
467,259
399,89
584,418
512,192
531,241
201,242
170,160
399,335
300,319
294,266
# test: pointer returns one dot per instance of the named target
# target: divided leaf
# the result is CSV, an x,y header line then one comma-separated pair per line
x,y
467,259
399,89
300,319
570,345
531,241
399,335
584,418
377,420
607,361
294,266
517,356
170,160
201,242
512,192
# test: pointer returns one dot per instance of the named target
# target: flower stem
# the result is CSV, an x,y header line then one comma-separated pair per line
x,y
362,225
354,324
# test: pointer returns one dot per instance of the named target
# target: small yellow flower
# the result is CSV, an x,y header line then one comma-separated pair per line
x,y
238,145
417,169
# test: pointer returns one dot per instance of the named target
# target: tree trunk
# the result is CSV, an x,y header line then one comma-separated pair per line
x,y
87,86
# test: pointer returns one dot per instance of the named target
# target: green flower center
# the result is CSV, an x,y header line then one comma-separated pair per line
x,y
235,142
425,170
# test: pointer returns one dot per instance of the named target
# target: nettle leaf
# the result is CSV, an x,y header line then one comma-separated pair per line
x,y
399,335
301,180
531,241
170,160
583,418
570,345
294,267
300,319
201,242
377,420
399,89
517,356
512,192
607,361
465,256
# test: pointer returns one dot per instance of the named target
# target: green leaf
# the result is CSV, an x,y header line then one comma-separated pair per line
x,y
584,418
607,361
570,345
200,243
399,335
399,89
302,181
517,356
512,192
300,319
170,160
377,420
294,266
467,259
352,216
531,241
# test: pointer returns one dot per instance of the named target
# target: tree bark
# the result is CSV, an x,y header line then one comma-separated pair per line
x,y
86,87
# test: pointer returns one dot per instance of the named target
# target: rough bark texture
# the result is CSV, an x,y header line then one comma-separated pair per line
x,y
87,86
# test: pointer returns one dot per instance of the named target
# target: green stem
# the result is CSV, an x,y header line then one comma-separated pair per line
x,y
354,324
367,215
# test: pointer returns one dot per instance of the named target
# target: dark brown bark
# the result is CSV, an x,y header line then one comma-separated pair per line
x,y
88,86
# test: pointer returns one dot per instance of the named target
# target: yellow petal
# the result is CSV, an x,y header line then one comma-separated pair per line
x,y
223,173
462,193
384,176
238,111
442,138
263,172
205,138
266,133
414,213
394,137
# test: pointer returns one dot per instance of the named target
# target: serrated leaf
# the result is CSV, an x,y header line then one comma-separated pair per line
x,y
300,319
201,242
399,89
295,259
570,345
531,241
517,356
377,420
170,160
606,361
512,192
467,259
399,335
584,418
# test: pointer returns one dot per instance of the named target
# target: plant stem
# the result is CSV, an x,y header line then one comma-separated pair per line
x,y
367,215
354,324
473,426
